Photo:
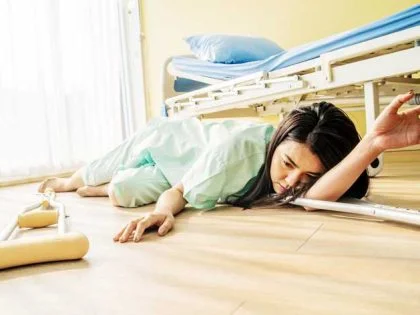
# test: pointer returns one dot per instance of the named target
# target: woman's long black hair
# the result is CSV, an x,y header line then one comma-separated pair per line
x,y
329,134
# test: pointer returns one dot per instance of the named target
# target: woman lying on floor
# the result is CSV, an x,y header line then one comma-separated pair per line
x,y
316,152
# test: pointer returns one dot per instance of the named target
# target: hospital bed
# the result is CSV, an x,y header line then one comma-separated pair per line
x,y
366,66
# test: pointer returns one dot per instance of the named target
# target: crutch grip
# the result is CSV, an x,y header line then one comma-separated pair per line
x,y
38,218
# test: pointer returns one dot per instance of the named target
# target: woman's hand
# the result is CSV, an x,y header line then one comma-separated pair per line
x,y
170,203
393,130
137,227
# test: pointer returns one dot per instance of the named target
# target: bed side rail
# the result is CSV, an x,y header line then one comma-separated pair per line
x,y
367,47
225,92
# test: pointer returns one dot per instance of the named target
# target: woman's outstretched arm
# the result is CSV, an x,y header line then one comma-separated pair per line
x,y
168,205
391,130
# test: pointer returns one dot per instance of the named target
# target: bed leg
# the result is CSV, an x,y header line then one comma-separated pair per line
x,y
372,111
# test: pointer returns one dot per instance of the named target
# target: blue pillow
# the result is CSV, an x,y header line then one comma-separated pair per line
x,y
231,48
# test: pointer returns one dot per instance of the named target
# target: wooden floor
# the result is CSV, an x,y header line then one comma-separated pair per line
x,y
230,261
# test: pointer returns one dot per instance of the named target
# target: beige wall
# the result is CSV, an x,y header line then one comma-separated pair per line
x,y
287,22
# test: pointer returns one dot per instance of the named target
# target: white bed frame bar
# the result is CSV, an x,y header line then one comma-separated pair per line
x,y
356,206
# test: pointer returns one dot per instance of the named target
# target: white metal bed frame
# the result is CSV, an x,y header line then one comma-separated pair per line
x,y
380,61
370,73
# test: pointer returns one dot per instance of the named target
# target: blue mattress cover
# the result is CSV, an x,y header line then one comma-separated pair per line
x,y
394,23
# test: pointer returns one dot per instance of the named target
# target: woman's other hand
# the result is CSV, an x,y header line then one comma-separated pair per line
x,y
136,228
170,203
393,130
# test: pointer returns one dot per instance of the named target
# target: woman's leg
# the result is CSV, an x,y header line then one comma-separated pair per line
x,y
95,173
63,184
136,187
93,191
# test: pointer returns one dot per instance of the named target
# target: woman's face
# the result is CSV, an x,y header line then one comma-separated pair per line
x,y
293,164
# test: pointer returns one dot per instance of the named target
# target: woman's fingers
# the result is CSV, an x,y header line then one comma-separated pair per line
x,y
118,235
397,102
141,227
159,219
413,111
128,230
138,227
166,226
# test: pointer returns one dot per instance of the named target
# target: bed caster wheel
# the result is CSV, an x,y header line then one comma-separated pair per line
x,y
376,166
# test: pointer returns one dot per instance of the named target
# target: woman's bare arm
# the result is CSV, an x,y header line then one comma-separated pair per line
x,y
391,130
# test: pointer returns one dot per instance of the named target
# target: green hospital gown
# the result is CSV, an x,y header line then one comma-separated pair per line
x,y
212,160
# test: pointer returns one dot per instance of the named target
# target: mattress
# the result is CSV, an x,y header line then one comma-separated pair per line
x,y
394,23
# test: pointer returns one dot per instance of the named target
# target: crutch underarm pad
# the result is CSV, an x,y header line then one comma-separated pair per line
x,y
37,218
58,247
